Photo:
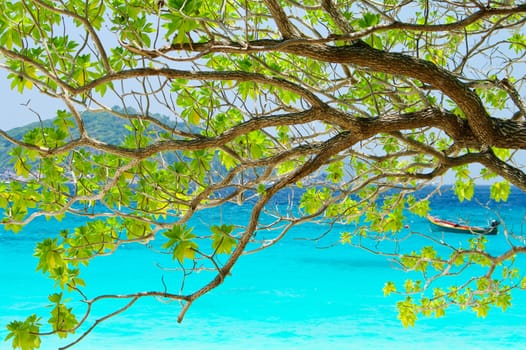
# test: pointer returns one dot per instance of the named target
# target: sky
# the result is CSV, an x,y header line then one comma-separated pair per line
x,y
15,112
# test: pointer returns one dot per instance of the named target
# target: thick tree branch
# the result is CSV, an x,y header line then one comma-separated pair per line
x,y
351,34
510,173
363,55
399,64
285,27
202,76
197,143
337,16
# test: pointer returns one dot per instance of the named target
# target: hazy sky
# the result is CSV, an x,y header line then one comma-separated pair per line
x,y
14,113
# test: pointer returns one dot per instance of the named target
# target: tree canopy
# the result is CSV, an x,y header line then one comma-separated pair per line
x,y
346,101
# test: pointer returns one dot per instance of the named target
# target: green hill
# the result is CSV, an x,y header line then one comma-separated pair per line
x,y
103,126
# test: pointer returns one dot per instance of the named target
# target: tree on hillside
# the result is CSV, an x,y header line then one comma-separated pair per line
x,y
347,101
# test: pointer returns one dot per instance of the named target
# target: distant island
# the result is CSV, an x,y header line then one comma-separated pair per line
x,y
104,126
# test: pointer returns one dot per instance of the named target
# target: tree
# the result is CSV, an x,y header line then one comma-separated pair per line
x,y
344,101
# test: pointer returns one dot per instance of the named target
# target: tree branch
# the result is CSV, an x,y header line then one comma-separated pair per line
x,y
280,17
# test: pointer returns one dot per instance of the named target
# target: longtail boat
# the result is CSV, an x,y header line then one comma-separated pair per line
x,y
442,225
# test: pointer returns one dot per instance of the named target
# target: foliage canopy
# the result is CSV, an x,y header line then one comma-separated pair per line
x,y
345,99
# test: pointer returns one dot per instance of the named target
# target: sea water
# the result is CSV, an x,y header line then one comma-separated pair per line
x,y
298,294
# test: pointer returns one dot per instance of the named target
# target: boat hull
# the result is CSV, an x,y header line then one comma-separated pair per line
x,y
440,225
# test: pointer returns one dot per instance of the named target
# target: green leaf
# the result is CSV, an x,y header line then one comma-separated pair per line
x,y
389,287
62,319
335,171
50,255
465,189
261,189
503,300
346,237
407,312
24,334
518,42
420,208
393,222
181,241
500,191
369,19
313,200
481,309
228,161
222,241
459,259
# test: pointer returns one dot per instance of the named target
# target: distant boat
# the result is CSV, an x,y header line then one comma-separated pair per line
x,y
442,225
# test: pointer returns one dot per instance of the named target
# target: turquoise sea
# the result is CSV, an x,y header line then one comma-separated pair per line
x,y
297,294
